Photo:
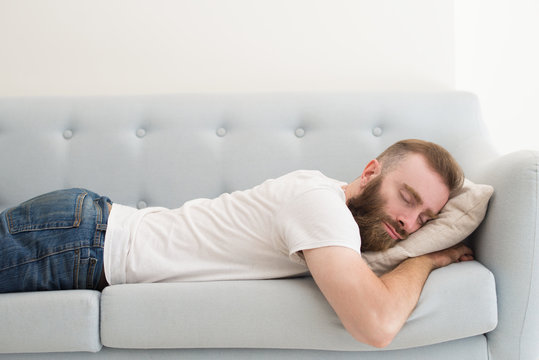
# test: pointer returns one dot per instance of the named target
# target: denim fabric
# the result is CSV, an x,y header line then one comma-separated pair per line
x,y
54,241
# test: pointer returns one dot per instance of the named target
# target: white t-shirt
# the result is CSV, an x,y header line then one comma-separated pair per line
x,y
251,234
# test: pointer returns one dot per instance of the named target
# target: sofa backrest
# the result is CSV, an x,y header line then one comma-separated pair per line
x,y
164,150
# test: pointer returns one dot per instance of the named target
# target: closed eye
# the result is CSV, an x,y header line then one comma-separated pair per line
x,y
407,198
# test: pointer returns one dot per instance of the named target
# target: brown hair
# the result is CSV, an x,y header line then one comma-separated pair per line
x,y
438,158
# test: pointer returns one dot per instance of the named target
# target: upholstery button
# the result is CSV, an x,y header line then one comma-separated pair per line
x,y
377,131
141,132
142,204
221,132
68,134
300,132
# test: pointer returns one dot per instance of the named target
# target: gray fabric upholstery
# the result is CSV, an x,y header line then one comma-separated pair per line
x,y
50,321
472,348
508,244
164,150
285,314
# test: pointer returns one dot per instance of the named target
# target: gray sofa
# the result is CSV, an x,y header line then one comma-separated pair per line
x,y
164,150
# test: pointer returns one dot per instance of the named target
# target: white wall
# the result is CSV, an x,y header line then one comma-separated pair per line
x,y
66,47
497,57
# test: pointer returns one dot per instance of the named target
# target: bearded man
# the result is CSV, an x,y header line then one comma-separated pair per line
x,y
298,223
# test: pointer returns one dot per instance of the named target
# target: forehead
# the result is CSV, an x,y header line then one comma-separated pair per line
x,y
415,173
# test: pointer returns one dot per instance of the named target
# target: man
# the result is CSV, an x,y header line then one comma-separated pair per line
x,y
302,221
374,309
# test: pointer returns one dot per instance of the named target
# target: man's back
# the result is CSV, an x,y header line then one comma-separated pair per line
x,y
251,234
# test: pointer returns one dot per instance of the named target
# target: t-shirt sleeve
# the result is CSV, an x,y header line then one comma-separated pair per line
x,y
317,218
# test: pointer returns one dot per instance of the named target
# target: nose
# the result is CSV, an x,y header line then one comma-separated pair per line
x,y
408,221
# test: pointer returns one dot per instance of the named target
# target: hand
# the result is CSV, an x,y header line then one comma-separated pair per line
x,y
451,255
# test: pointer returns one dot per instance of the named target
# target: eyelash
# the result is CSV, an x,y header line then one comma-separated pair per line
x,y
405,198
408,202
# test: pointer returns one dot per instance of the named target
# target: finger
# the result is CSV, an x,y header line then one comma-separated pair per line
x,y
464,250
466,258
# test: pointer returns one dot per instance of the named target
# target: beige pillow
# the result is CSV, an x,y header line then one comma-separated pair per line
x,y
458,219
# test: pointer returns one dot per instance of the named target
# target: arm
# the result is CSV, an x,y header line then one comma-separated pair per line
x,y
507,243
373,309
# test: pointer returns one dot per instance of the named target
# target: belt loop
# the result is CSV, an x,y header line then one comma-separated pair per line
x,y
102,211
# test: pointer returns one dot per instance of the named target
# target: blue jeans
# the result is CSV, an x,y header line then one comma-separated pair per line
x,y
53,242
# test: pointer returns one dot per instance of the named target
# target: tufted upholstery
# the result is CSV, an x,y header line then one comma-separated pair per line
x,y
164,150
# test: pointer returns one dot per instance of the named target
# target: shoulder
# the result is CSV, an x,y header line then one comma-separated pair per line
x,y
302,181
318,217
314,176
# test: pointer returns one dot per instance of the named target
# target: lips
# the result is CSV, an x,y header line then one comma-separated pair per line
x,y
391,231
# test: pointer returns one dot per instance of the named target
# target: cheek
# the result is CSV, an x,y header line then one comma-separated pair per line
x,y
389,199
392,210
392,204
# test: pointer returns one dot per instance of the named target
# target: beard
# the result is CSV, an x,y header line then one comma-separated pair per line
x,y
368,210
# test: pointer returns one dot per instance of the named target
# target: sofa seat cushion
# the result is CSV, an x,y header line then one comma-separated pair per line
x,y
458,301
50,321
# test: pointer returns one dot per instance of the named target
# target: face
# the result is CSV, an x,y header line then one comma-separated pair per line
x,y
389,207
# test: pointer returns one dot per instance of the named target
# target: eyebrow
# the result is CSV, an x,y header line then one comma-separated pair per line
x,y
419,200
414,193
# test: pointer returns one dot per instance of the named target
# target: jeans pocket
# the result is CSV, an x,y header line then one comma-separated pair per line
x,y
56,210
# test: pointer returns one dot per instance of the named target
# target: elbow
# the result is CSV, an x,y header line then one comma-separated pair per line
x,y
380,341
378,335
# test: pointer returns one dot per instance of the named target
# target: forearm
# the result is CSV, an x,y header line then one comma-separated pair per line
x,y
404,285
373,309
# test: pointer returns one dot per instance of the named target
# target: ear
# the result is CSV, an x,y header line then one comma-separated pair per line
x,y
372,170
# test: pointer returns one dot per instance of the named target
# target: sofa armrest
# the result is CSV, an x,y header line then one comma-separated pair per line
x,y
507,243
